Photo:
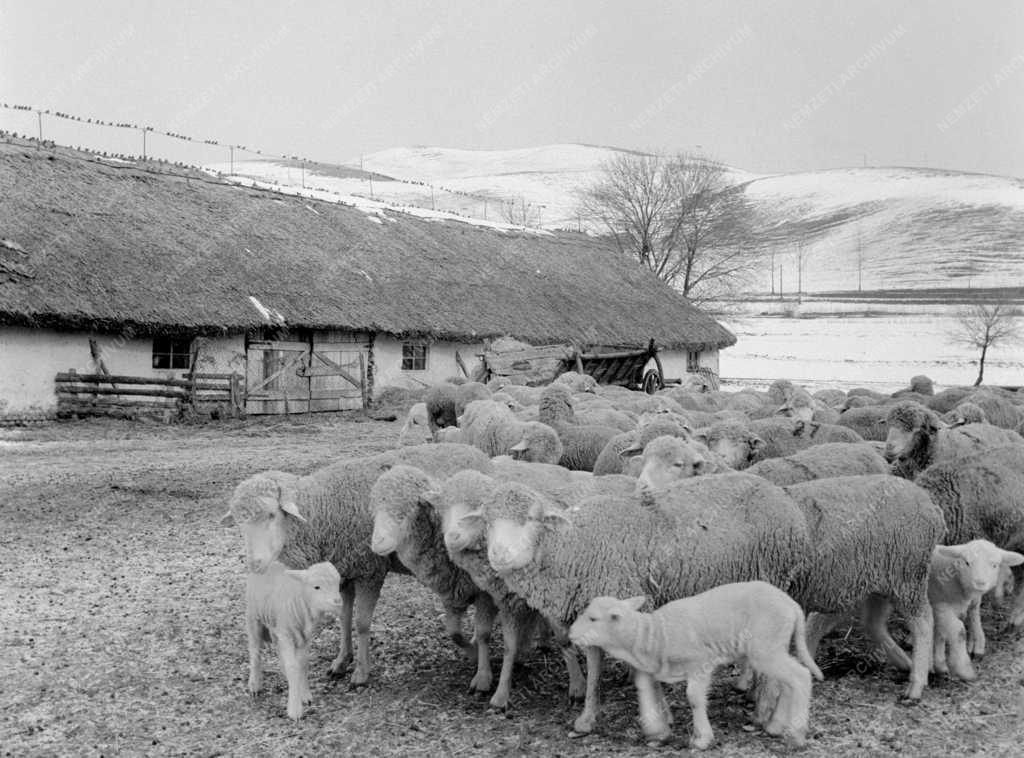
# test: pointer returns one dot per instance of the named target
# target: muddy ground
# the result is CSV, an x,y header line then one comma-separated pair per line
x,y
120,629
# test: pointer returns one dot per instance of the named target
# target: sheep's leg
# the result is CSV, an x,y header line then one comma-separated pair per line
x,y
952,629
577,680
367,593
344,657
938,645
975,633
876,624
650,699
584,723
921,634
697,695
818,625
302,660
254,632
293,672
483,625
515,631
663,703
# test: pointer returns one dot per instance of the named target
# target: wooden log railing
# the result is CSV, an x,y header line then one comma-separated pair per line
x,y
132,396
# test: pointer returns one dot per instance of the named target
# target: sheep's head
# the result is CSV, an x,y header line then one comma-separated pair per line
x,y
669,459
323,587
733,443
556,404
458,501
910,426
965,413
979,565
799,405
416,430
516,519
262,507
396,500
659,423
607,622
539,443
780,390
922,385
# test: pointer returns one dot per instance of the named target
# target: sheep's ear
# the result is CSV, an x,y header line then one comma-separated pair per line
x,y
430,497
472,518
636,603
297,573
385,467
756,443
227,519
632,451
555,517
798,427
687,433
1011,558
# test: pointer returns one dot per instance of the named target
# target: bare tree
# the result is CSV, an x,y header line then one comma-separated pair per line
x,y
801,259
677,216
984,326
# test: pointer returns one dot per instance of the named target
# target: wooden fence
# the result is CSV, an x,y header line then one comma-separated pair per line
x,y
134,396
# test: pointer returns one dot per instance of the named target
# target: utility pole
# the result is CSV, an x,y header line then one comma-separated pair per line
x,y
143,143
40,142
232,149
371,187
772,260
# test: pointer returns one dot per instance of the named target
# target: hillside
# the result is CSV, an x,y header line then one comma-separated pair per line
x,y
908,227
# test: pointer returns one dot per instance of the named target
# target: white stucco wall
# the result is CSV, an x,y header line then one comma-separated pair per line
x,y
674,362
30,358
387,352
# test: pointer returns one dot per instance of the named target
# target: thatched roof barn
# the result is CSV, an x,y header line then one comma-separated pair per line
x,y
99,245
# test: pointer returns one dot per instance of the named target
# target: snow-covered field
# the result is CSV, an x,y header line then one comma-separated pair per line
x,y
881,352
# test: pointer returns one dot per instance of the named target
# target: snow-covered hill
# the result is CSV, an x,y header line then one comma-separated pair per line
x,y
887,227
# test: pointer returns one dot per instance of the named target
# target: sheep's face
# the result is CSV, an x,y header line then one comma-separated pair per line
x,y
667,460
736,451
388,533
323,588
899,442
511,545
803,413
980,565
263,505
606,623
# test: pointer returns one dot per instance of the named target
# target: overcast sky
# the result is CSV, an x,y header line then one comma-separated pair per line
x,y
769,86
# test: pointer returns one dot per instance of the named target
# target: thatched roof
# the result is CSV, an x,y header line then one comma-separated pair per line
x,y
88,244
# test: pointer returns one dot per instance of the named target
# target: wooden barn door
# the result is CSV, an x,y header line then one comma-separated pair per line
x,y
272,377
337,377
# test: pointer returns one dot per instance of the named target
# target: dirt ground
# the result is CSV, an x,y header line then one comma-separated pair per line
x,y
121,604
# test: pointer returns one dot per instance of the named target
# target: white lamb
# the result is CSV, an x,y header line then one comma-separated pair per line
x,y
957,578
284,605
688,639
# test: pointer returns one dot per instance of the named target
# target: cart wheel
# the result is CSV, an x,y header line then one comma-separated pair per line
x,y
651,382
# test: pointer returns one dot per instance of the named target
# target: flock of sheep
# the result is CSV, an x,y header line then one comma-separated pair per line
x,y
562,511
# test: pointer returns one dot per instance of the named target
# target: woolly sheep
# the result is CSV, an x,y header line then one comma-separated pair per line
x,y
620,420
616,457
733,442
920,385
577,382
822,461
965,413
467,393
732,527
916,439
450,434
495,429
582,444
798,405
687,639
440,402
980,498
833,398
539,444
409,528
458,501
872,540
285,606
326,516
947,399
780,390
522,394
857,401
999,411
739,445
668,459
416,430
869,421
958,577
874,395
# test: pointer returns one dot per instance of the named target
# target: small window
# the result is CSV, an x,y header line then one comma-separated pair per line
x,y
692,360
414,356
172,352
